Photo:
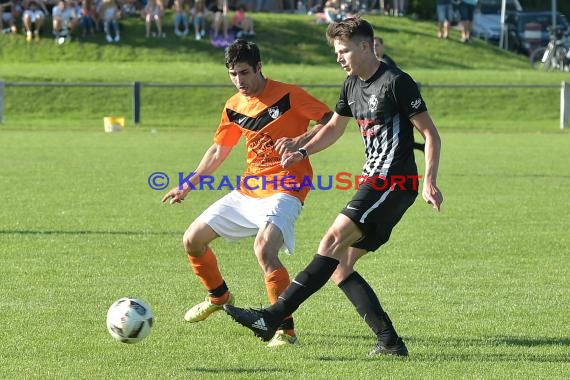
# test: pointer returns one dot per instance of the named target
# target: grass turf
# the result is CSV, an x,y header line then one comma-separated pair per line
x,y
478,291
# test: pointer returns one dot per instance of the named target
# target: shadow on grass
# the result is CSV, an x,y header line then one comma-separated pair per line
x,y
239,370
467,349
529,342
486,349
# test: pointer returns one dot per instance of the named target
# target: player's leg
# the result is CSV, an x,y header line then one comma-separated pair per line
x,y
27,22
227,217
196,242
56,25
340,236
147,24
267,244
365,300
38,25
377,213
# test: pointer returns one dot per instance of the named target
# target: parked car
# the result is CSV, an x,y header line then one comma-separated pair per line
x,y
487,19
529,30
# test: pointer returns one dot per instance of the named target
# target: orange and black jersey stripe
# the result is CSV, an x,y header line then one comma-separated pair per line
x,y
282,110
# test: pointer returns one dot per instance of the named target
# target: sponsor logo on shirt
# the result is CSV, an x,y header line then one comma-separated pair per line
x,y
416,103
274,112
373,103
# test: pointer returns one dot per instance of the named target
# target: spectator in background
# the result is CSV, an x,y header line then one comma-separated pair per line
x,y
109,13
444,11
220,18
87,18
260,5
33,18
383,6
379,52
332,12
9,11
64,19
154,12
283,5
399,7
301,8
242,25
199,16
130,7
466,10
181,9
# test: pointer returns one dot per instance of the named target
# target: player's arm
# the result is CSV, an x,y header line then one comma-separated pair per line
x,y
212,159
424,124
327,135
288,144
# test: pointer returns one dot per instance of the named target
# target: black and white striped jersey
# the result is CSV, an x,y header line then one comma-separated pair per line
x,y
382,107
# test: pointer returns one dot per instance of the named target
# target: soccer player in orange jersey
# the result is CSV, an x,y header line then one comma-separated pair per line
x,y
273,117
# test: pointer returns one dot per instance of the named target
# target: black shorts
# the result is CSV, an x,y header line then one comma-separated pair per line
x,y
376,212
466,11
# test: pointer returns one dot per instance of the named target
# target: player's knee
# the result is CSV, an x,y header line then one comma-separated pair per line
x,y
332,241
266,257
192,244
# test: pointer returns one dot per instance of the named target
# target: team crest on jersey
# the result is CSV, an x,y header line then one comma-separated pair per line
x,y
274,112
373,103
416,103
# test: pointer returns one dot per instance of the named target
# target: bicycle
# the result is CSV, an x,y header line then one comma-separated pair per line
x,y
554,56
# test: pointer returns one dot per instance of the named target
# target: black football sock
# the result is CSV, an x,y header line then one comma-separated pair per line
x,y
307,282
368,306
287,324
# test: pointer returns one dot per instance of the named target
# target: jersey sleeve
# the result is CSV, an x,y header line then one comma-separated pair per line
x,y
342,108
309,106
228,133
408,97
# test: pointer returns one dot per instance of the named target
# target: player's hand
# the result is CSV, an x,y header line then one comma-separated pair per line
x,y
432,195
284,145
289,158
175,195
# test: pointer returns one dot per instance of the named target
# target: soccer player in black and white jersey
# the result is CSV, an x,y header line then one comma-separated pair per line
x,y
387,105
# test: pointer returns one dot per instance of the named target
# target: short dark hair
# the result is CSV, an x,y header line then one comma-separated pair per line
x,y
350,28
242,51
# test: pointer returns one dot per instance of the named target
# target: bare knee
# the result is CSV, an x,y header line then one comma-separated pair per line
x,y
196,239
267,257
339,237
334,243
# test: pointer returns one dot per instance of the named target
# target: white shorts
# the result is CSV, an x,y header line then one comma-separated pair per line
x,y
236,216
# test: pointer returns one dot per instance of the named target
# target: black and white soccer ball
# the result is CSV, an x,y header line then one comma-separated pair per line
x,y
129,320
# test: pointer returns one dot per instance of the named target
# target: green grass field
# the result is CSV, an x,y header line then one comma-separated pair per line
x,y
478,291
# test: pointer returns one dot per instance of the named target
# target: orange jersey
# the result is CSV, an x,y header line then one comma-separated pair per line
x,y
282,110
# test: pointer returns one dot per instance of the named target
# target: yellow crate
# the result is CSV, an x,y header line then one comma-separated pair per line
x,y
113,123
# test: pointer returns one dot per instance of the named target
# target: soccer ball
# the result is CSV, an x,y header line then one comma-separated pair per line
x,y
129,320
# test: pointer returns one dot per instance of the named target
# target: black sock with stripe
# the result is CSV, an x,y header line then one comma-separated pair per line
x,y
307,282
364,299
